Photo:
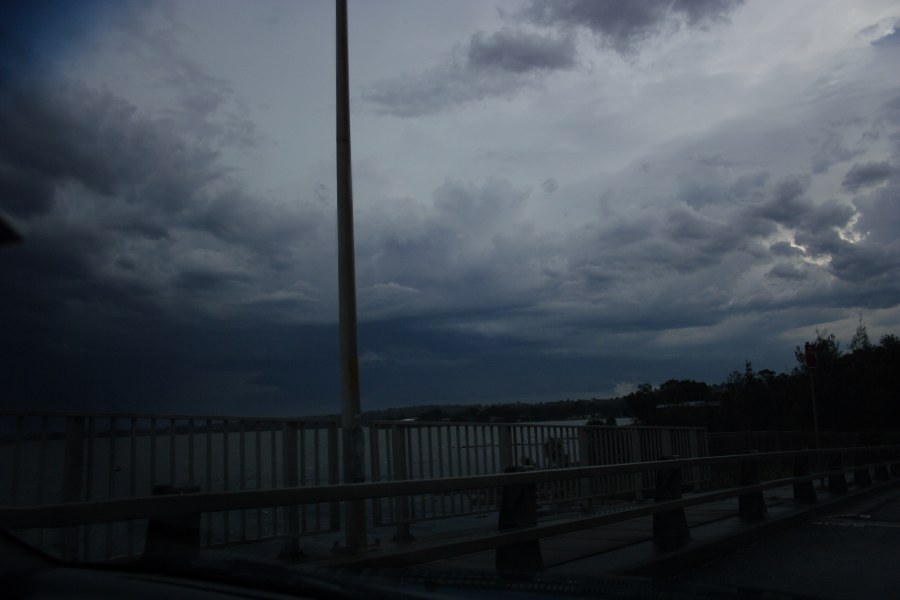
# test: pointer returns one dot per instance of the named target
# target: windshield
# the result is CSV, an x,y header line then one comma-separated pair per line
x,y
586,233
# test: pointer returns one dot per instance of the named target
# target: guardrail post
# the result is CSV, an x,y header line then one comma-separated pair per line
x,y
861,475
291,547
695,453
837,483
584,460
638,478
504,439
73,479
375,462
334,475
881,469
751,505
173,538
401,503
518,508
670,528
804,491
895,463
666,442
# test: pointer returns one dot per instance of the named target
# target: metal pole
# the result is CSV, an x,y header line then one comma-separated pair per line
x,y
351,411
812,395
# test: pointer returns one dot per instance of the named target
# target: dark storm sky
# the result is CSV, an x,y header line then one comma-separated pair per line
x,y
553,199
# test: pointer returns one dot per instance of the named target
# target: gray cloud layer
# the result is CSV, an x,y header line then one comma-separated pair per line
x,y
510,60
146,244
623,26
493,65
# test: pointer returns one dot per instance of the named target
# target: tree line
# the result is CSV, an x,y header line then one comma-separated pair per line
x,y
855,390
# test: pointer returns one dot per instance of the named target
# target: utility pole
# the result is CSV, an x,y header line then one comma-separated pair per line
x,y
351,411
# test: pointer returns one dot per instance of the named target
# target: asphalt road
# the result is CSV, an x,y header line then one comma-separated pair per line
x,y
851,555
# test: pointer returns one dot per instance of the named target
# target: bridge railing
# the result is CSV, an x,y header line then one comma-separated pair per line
x,y
863,462
48,458
401,450
736,442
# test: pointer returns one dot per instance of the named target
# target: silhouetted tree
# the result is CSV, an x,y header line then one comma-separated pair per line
x,y
860,339
641,404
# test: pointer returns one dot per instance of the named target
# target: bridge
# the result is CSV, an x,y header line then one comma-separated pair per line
x,y
473,497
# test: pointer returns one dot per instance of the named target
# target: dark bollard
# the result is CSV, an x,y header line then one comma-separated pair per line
x,y
837,484
804,491
670,528
861,475
881,470
895,469
173,538
751,505
518,508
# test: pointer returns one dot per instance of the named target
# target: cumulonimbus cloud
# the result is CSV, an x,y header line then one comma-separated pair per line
x,y
623,26
492,65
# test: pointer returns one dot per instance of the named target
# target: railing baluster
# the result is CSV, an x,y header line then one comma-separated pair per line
x,y
301,430
17,460
111,482
274,475
152,452
190,456
225,479
402,504
441,464
421,465
375,472
317,471
72,480
89,485
479,454
42,472
42,463
132,478
291,545
172,470
259,477
243,475
458,470
458,450
468,449
334,508
209,476
490,432
431,468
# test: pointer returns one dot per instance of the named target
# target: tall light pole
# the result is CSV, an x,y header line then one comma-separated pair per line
x,y
351,411
809,351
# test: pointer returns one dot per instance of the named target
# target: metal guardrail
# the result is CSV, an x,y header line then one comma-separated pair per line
x,y
402,450
102,511
126,509
735,442
51,457
48,457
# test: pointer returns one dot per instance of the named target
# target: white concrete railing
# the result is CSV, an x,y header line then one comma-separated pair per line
x,y
402,450
885,460
50,458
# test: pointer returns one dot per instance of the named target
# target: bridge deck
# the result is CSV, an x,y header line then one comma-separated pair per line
x,y
611,548
627,547
716,529
847,555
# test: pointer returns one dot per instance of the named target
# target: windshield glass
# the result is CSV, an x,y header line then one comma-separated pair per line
x,y
585,233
